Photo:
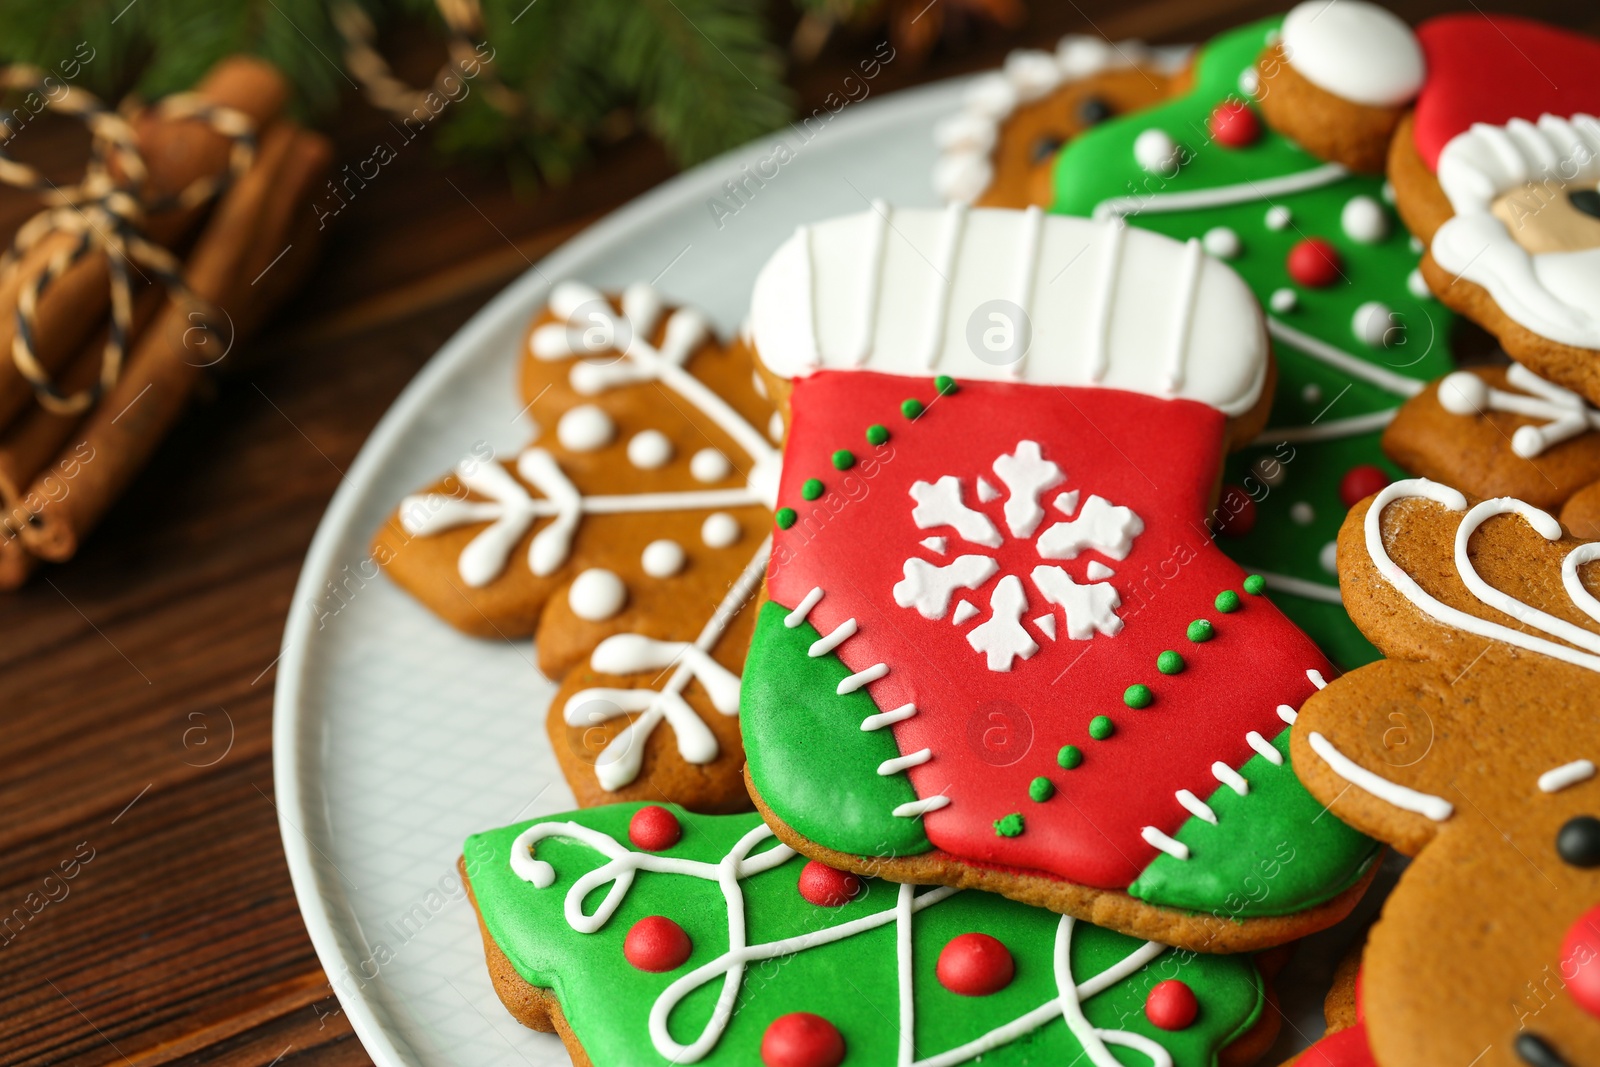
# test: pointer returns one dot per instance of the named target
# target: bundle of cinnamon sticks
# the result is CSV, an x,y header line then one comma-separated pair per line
x,y
242,253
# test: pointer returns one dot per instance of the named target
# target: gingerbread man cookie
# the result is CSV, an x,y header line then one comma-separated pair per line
x,y
997,150
1471,748
645,936
1356,332
629,537
1498,171
1000,648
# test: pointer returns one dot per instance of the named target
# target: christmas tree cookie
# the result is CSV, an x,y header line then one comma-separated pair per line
x,y
1355,330
645,935
999,647
629,536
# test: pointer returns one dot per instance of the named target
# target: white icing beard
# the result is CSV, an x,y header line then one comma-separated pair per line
x,y
1554,294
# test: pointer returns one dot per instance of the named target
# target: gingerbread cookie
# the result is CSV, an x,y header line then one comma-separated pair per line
x,y
628,537
1471,748
1338,80
1494,431
1344,1044
643,936
1498,171
997,150
1355,330
1000,648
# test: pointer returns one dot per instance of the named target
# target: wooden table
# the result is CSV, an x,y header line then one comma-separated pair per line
x,y
135,743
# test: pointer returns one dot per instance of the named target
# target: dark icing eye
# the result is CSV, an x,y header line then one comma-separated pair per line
x,y
1044,148
1578,841
1586,201
1536,1052
1093,111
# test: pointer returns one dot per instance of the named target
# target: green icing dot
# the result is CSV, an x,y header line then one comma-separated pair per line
x,y
812,489
785,517
1137,695
1255,585
945,384
1009,825
1100,727
877,434
1069,757
1041,789
911,408
1169,662
843,460
1201,630
1227,601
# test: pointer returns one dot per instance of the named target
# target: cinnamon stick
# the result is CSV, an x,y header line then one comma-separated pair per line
x,y
122,431
176,153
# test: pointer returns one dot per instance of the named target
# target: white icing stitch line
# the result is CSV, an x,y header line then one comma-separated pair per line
x,y
1568,774
913,808
1425,804
1316,679
1230,778
861,678
798,615
1171,846
827,643
1287,714
900,763
888,718
1265,748
1196,807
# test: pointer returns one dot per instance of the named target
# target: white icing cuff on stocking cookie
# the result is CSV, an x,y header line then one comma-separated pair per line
x,y
1355,50
1011,295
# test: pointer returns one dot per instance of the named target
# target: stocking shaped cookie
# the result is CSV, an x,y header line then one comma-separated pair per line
x,y
1472,748
629,537
997,150
646,936
1355,334
1498,171
1000,648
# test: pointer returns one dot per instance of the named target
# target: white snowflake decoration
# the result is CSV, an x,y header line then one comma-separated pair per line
x,y
1088,608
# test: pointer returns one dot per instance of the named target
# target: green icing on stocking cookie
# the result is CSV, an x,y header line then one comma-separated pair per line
x,y
815,753
723,941
1249,852
1333,267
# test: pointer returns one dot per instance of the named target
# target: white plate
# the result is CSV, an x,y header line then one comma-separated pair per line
x,y
395,737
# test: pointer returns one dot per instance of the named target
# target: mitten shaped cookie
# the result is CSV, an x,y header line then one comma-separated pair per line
x,y
1355,333
1498,171
644,935
998,149
628,537
1472,748
1000,649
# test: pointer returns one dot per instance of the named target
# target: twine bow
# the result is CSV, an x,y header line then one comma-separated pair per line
x,y
105,209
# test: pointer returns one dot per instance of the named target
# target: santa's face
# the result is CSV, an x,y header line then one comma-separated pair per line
x,y
1527,222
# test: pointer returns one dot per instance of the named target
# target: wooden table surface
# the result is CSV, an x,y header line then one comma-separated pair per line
x,y
135,727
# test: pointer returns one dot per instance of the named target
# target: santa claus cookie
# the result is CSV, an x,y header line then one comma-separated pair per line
x,y
629,536
1498,171
1505,431
1344,1044
644,935
1355,332
1000,649
1472,748
997,150
1338,79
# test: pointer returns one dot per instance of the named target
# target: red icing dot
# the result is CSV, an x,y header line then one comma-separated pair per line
x,y
1315,263
1580,959
1234,125
654,828
1236,512
656,943
1361,482
801,1039
975,965
1171,1005
827,886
